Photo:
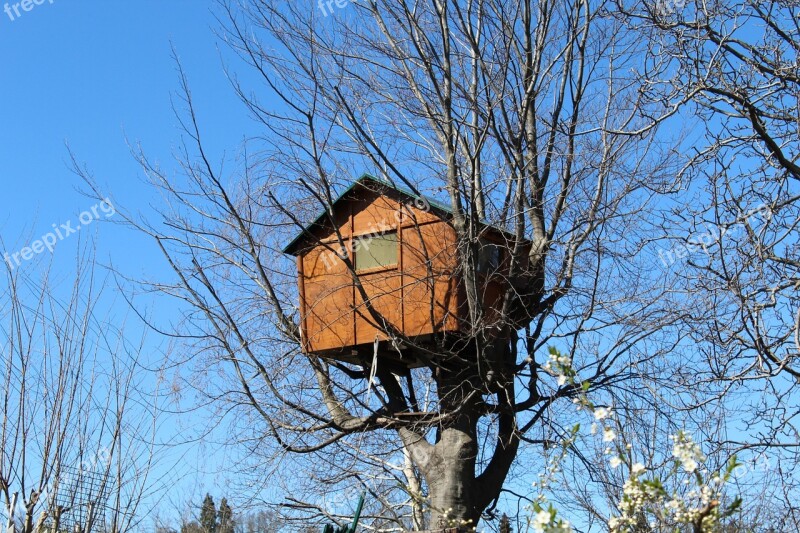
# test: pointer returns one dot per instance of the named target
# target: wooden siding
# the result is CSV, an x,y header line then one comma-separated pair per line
x,y
431,295
326,296
417,296
420,295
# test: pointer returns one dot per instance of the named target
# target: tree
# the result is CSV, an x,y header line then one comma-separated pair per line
x,y
73,406
256,520
519,114
735,65
505,524
225,520
208,515
260,521
192,526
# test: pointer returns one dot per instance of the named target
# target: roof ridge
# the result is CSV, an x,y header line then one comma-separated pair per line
x,y
361,181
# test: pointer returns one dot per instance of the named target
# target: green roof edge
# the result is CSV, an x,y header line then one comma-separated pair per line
x,y
438,206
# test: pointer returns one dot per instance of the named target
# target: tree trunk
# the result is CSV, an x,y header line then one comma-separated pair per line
x,y
450,470
451,478
457,494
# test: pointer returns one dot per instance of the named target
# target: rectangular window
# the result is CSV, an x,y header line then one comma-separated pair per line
x,y
375,251
488,257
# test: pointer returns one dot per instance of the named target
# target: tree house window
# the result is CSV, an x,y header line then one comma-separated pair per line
x,y
375,251
489,256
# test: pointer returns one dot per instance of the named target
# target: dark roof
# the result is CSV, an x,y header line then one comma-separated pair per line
x,y
371,183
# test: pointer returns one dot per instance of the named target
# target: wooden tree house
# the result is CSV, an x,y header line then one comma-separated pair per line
x,y
402,249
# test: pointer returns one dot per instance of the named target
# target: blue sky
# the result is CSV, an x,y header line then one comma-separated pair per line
x,y
97,75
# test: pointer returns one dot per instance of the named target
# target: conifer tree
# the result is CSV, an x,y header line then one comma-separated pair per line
x,y
225,523
505,524
208,515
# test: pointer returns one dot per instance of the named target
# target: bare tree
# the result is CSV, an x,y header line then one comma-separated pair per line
x,y
525,115
72,413
734,240
737,62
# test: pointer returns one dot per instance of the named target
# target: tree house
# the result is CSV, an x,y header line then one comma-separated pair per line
x,y
401,250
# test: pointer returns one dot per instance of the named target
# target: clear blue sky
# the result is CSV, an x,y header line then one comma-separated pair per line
x,y
97,74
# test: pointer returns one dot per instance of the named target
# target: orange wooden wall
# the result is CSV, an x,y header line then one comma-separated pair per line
x,y
419,295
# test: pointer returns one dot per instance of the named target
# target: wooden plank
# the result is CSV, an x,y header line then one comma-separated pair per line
x,y
374,215
352,230
383,291
401,266
431,300
301,288
328,291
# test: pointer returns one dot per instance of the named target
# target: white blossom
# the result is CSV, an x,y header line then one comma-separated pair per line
x,y
601,412
540,521
687,453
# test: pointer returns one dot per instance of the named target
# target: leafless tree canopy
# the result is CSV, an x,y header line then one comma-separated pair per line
x,y
528,116
546,119
73,411
738,63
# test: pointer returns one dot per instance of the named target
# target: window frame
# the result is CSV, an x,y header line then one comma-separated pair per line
x,y
376,268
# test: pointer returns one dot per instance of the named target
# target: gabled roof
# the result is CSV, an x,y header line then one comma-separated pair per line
x,y
373,184
369,183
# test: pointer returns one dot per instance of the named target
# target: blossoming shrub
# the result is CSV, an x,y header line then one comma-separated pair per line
x,y
686,499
